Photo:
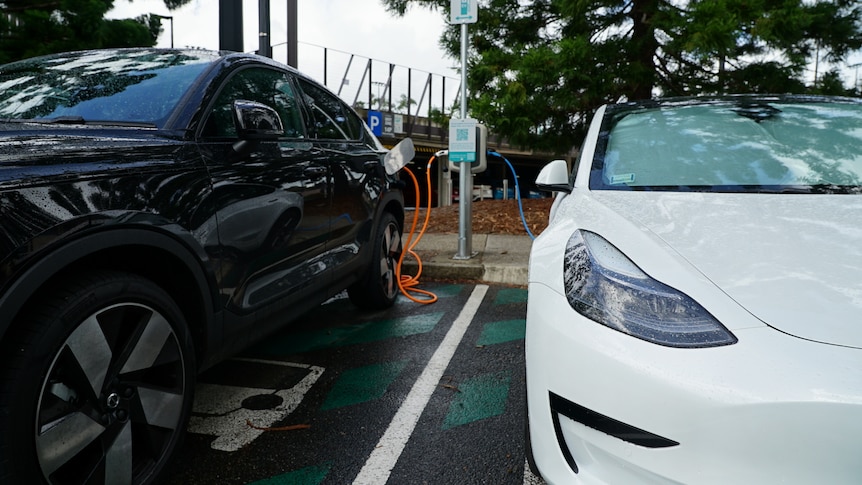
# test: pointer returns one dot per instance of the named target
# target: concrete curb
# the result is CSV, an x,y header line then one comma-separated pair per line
x,y
497,258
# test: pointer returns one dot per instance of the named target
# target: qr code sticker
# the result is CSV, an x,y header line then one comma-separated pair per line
x,y
462,134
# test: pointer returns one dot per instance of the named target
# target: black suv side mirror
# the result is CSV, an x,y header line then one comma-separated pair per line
x,y
256,121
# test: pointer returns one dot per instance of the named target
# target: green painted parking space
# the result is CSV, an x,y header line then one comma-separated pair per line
x,y
510,295
504,331
312,475
442,291
365,332
479,398
362,384
370,363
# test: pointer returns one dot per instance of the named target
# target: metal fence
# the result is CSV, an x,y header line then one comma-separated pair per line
x,y
367,83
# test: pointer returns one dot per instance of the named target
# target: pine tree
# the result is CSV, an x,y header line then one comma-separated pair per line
x,y
539,68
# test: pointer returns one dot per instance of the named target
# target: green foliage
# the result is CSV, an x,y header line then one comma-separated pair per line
x,y
30,28
404,103
439,118
539,68
830,84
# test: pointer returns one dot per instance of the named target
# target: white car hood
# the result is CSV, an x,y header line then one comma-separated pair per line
x,y
792,260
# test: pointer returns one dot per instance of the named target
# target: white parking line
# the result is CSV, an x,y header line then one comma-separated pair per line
x,y
379,465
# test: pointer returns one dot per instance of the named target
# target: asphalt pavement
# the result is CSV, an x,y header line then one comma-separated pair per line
x,y
322,391
415,394
494,258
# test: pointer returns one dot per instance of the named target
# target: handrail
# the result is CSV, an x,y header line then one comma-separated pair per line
x,y
398,83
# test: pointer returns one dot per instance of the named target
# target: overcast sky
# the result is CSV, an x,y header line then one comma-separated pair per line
x,y
362,28
359,27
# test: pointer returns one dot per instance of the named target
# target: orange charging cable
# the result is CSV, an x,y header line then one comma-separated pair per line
x,y
406,283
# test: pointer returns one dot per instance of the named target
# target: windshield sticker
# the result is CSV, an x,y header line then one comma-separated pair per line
x,y
625,178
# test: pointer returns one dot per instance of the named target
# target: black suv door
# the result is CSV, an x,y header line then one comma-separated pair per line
x,y
272,216
354,166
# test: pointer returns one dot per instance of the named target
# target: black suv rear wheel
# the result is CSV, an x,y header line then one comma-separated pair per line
x,y
97,384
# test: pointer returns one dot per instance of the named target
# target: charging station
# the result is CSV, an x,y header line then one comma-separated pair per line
x,y
480,162
467,146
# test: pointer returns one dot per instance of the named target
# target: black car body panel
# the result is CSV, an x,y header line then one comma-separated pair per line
x,y
161,210
271,224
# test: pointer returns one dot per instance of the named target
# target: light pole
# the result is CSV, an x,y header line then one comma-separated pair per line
x,y
292,37
230,25
379,98
264,29
172,25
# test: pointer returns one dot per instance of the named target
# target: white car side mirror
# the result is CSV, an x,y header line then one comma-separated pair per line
x,y
554,177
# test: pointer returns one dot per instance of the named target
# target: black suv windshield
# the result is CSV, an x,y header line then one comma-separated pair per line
x,y
786,146
107,86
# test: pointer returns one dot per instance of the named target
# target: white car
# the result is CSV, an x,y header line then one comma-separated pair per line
x,y
695,304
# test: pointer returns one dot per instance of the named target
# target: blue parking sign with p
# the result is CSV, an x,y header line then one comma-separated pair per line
x,y
375,122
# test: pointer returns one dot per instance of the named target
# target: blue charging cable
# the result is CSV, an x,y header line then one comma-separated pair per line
x,y
517,192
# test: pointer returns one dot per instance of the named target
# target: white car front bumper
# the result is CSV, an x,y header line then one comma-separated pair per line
x,y
769,409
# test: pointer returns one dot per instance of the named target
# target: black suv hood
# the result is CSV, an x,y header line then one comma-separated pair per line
x,y
39,153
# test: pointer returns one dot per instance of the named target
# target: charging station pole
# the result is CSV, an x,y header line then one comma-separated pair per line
x,y
464,12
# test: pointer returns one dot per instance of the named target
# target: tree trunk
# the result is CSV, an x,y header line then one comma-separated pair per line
x,y
644,48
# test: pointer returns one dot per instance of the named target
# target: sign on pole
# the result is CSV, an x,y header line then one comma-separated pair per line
x,y
375,122
463,11
462,140
388,124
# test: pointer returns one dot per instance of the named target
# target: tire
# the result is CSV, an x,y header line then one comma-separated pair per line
x,y
379,287
96,384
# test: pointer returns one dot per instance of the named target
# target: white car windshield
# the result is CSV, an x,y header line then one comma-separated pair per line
x,y
745,145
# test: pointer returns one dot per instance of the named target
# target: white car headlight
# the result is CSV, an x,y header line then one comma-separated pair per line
x,y
603,285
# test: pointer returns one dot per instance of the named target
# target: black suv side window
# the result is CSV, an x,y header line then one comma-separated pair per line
x,y
332,119
270,87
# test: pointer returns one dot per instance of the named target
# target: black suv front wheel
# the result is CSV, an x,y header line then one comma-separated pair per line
x,y
379,286
98,386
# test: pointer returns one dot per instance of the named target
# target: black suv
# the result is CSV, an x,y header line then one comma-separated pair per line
x,y
159,211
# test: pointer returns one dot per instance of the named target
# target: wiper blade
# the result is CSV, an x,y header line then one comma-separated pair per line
x,y
821,189
62,120
77,120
